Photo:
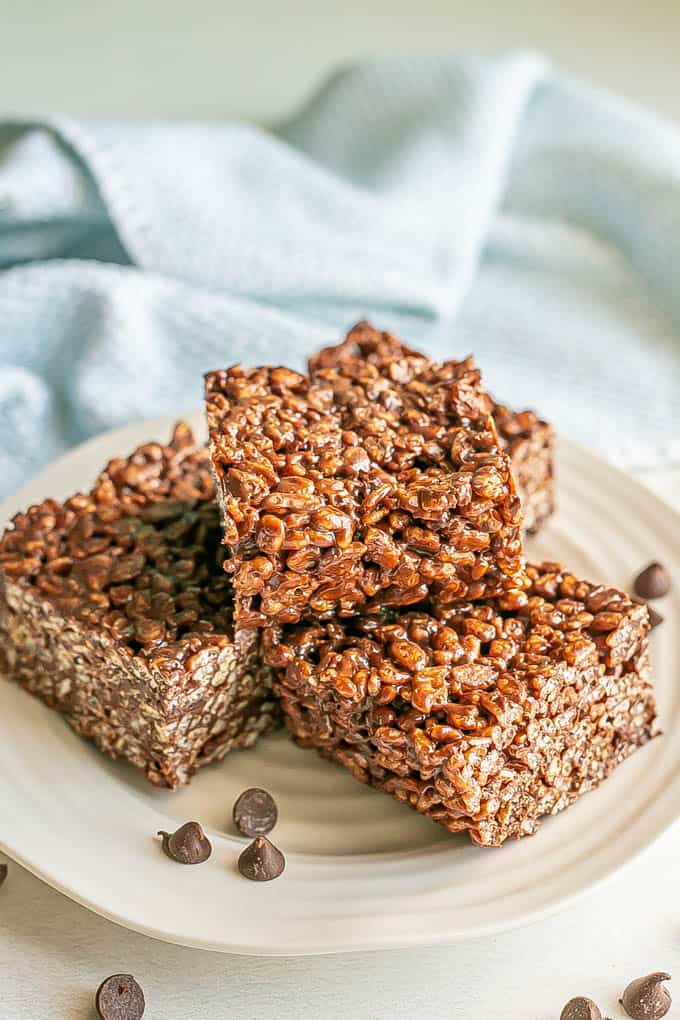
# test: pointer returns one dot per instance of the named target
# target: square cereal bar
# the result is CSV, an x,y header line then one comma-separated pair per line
x,y
480,718
527,439
357,488
115,611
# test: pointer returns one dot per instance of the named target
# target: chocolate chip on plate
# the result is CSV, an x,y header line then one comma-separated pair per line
x,y
261,861
3,873
654,618
580,1008
119,997
652,582
646,998
188,844
255,812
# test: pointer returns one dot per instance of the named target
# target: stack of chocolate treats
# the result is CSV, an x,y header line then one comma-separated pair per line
x,y
364,575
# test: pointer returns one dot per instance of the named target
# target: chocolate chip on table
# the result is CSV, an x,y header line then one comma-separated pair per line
x,y
255,812
652,582
580,1008
188,844
119,997
261,861
3,873
647,998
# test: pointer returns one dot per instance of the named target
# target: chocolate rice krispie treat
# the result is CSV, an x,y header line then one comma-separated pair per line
x,y
115,610
527,439
482,719
361,488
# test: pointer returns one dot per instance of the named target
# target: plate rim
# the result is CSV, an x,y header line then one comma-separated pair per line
x,y
658,818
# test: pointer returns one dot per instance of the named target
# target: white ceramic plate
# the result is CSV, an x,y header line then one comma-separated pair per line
x,y
362,871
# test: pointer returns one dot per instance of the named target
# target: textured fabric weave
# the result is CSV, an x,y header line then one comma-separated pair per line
x,y
473,205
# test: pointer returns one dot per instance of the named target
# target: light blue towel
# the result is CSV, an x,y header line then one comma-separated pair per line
x,y
473,205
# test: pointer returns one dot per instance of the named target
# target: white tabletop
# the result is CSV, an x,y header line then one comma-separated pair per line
x,y
53,954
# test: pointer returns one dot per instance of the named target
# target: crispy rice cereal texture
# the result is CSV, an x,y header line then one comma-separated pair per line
x,y
530,444
481,719
527,439
115,610
358,489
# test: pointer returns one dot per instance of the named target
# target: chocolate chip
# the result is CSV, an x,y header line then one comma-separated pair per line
x,y
654,618
646,998
580,1008
261,861
652,582
119,997
3,873
188,845
255,812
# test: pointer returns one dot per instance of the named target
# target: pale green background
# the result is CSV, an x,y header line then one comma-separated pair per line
x,y
210,59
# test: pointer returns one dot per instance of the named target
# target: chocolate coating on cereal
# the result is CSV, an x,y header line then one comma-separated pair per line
x,y
130,559
361,488
655,618
482,718
115,610
527,439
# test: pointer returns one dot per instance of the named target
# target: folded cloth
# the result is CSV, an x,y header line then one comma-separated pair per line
x,y
474,205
